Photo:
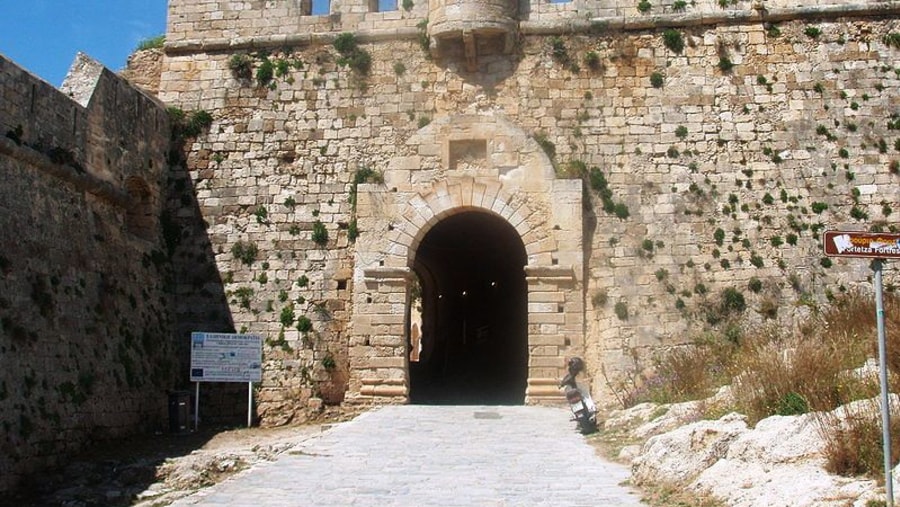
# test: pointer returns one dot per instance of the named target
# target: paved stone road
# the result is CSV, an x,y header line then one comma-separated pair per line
x,y
416,456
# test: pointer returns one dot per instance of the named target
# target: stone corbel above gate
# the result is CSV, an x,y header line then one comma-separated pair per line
x,y
554,273
387,273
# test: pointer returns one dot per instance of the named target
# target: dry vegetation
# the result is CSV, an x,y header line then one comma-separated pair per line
x,y
853,440
675,496
777,371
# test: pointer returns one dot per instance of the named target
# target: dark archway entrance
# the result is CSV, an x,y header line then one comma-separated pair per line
x,y
474,309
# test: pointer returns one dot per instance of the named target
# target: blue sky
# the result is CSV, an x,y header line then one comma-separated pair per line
x,y
43,35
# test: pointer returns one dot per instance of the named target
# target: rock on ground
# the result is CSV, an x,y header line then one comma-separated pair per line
x,y
779,462
681,454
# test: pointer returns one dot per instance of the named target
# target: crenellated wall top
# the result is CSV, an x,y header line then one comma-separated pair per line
x,y
220,25
97,125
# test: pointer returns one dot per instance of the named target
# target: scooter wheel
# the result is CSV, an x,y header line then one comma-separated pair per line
x,y
586,426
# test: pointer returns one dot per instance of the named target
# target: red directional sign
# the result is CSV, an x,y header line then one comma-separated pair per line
x,y
872,245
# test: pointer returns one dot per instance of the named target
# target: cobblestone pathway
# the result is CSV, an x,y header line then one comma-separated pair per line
x,y
434,456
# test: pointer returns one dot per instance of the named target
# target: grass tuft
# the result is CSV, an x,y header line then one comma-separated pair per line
x,y
156,42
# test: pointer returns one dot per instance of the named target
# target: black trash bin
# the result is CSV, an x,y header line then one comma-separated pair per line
x,y
179,411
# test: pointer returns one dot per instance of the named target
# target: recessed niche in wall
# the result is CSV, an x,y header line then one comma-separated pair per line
x,y
471,152
139,215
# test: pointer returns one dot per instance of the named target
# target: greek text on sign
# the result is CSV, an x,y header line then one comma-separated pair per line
x,y
862,244
223,357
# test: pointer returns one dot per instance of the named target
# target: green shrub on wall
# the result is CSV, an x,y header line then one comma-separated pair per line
x,y
592,60
287,315
812,32
673,40
352,56
546,145
319,233
188,123
265,73
328,362
621,310
243,296
304,325
245,251
352,230
725,64
599,184
241,66
733,301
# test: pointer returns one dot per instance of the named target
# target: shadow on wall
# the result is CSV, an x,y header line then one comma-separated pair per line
x,y
112,474
201,303
85,310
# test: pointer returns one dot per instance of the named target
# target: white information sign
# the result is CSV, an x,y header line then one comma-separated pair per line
x,y
223,357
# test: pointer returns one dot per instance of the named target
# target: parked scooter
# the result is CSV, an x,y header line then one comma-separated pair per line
x,y
583,408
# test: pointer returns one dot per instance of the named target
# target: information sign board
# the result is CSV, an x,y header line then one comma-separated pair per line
x,y
223,357
873,245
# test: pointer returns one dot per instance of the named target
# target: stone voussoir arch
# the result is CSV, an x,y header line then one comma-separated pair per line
x,y
452,198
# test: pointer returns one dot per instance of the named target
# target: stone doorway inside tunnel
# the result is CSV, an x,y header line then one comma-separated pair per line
x,y
468,331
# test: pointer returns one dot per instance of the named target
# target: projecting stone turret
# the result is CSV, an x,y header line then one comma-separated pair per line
x,y
481,26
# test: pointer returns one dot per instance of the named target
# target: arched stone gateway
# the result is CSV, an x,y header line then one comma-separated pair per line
x,y
472,226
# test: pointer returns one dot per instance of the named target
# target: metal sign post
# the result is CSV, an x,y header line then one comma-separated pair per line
x,y
885,400
249,404
197,406
877,246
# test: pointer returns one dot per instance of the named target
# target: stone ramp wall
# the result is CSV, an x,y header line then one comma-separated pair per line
x,y
85,340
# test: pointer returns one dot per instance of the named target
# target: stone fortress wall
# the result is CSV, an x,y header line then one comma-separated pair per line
x,y
775,121
85,326
722,163
731,156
